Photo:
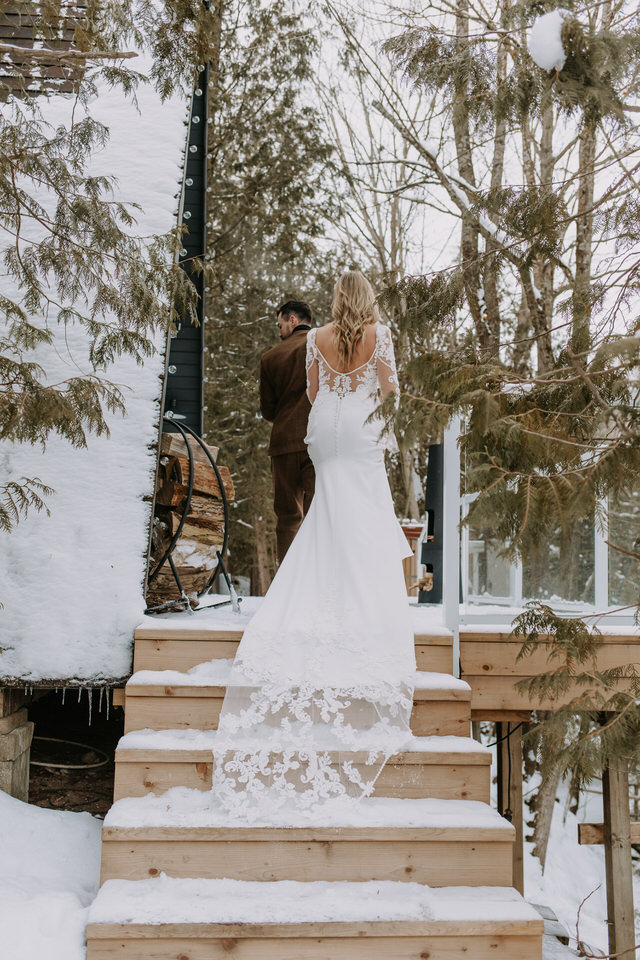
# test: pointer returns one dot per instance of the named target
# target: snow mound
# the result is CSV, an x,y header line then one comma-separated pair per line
x,y
545,40
50,875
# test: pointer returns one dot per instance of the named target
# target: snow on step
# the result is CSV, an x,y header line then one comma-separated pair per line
x,y
165,918
170,900
151,761
181,807
184,834
427,620
215,673
169,699
205,740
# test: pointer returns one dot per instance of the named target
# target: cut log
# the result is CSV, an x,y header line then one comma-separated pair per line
x,y
164,586
204,479
202,529
173,445
173,495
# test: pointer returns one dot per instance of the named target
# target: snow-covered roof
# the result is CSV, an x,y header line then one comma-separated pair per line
x,y
71,582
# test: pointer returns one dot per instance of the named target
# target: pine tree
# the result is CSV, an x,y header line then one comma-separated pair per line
x,y
70,252
538,169
269,200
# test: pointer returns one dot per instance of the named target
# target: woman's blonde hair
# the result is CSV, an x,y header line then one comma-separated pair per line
x,y
353,308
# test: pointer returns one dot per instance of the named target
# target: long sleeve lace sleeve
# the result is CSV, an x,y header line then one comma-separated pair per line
x,y
387,373
312,367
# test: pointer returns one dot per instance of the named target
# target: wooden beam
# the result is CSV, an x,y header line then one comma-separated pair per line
x,y
509,753
593,833
617,855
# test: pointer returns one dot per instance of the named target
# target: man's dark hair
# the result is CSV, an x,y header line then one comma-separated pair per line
x,y
300,308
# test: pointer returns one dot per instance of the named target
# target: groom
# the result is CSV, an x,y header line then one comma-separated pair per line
x,y
284,402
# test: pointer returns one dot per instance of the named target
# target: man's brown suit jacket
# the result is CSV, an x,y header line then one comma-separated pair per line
x,y
283,393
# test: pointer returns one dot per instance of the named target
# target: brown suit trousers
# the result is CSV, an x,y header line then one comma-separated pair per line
x,y
294,483
283,401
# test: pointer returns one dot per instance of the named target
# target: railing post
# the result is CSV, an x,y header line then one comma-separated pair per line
x,y
451,538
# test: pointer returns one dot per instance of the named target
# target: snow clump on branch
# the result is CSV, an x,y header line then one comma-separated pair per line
x,y
545,40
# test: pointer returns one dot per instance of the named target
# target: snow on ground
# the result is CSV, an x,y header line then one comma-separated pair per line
x,y
572,872
71,583
49,877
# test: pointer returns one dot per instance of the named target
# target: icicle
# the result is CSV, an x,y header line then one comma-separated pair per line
x,y
79,693
90,699
64,690
26,690
100,699
108,698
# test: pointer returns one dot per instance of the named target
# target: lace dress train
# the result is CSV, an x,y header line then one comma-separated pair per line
x,y
321,689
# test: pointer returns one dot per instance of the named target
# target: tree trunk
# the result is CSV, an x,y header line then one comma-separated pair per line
x,y
543,813
491,269
262,565
469,234
584,241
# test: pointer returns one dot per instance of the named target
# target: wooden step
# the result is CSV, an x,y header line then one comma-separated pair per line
x,y
154,653
169,700
438,842
179,642
451,768
166,918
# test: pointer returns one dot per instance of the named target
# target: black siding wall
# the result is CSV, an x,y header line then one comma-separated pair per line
x,y
183,398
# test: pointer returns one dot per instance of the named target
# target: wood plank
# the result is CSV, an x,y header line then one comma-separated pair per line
x,y
617,857
437,861
12,699
397,779
316,928
501,659
510,800
497,635
14,720
428,717
182,655
593,833
118,696
500,832
453,947
500,693
443,757
153,629
163,691
501,716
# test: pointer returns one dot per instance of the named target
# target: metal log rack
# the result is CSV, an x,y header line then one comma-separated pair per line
x,y
183,602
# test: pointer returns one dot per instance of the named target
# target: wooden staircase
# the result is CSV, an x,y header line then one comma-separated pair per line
x,y
421,870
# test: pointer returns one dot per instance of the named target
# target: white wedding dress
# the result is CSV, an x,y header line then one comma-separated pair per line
x,y
321,689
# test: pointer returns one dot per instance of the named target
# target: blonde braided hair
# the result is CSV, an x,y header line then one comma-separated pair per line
x,y
353,308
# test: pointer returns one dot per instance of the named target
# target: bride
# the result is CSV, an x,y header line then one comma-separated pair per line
x,y
321,689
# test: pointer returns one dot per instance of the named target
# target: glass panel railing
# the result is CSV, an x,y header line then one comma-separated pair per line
x,y
624,535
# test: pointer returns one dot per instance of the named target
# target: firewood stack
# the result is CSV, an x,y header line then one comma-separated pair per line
x,y
203,530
